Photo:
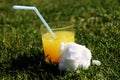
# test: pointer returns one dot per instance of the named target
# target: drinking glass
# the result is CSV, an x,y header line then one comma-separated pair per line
x,y
64,32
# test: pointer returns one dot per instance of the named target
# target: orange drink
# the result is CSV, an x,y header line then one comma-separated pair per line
x,y
51,44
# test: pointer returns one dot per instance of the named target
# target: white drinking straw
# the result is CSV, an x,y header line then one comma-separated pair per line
x,y
38,13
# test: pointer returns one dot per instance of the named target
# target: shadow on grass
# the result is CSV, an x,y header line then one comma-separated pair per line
x,y
34,66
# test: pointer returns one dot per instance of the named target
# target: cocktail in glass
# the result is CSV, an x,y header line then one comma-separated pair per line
x,y
64,32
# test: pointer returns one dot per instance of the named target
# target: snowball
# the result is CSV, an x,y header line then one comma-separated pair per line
x,y
73,56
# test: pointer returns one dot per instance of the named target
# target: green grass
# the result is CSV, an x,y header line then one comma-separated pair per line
x,y
97,27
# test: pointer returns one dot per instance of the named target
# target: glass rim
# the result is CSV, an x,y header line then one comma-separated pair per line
x,y
70,25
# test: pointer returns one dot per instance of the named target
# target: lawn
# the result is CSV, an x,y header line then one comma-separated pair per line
x,y
97,27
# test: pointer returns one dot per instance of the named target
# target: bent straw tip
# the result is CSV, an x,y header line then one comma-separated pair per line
x,y
15,6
